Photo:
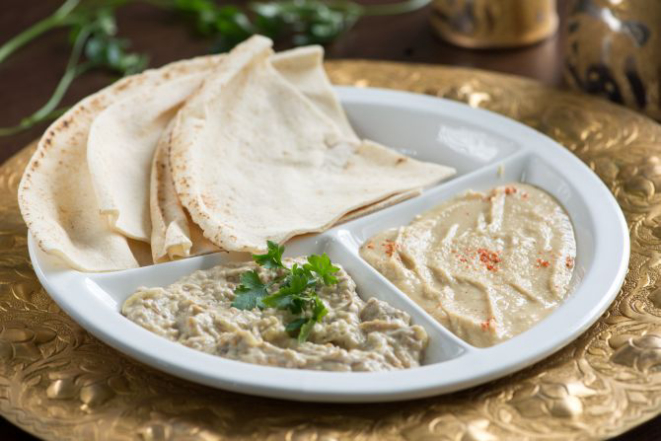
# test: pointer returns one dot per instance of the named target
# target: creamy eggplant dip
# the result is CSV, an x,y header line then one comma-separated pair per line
x,y
354,335
487,266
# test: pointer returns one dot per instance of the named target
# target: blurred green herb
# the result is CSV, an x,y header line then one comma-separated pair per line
x,y
95,44
302,21
273,257
61,17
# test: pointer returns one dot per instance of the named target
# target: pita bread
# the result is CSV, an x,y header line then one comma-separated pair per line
x,y
380,205
182,237
124,136
303,67
244,181
120,149
56,195
171,236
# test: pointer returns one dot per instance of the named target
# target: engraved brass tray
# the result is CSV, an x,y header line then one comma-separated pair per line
x,y
58,382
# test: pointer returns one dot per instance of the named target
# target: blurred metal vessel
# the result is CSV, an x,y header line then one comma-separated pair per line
x,y
613,48
494,23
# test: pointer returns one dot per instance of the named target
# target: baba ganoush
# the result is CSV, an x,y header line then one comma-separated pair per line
x,y
355,335
487,266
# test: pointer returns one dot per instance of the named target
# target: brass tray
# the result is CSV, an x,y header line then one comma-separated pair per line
x,y
58,382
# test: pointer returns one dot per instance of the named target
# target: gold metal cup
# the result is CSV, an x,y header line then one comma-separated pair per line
x,y
613,48
494,23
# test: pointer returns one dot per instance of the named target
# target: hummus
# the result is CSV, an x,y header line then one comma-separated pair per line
x,y
355,335
486,266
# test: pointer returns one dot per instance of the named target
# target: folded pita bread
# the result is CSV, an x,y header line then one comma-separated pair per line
x,y
77,215
303,67
380,205
56,195
171,236
123,140
245,181
120,149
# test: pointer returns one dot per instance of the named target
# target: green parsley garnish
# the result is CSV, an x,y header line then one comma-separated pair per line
x,y
296,289
250,292
323,267
273,257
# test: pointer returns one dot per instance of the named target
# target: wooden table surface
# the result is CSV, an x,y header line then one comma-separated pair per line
x,y
27,79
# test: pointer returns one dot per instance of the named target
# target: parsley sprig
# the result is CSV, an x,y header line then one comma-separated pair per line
x,y
294,290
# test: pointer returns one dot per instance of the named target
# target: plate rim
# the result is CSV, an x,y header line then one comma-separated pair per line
x,y
304,385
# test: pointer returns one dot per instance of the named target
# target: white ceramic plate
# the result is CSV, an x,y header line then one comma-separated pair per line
x,y
487,150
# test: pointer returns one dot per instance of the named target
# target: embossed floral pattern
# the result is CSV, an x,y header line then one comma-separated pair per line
x,y
642,353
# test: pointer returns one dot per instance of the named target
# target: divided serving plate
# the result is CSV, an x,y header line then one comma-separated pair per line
x,y
487,150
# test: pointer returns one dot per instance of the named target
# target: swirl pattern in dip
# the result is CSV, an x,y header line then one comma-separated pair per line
x,y
486,266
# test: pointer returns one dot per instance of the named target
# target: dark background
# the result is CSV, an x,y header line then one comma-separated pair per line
x,y
29,76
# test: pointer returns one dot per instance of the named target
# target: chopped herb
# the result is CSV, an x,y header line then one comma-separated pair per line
x,y
306,329
323,267
250,292
273,257
296,289
294,327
